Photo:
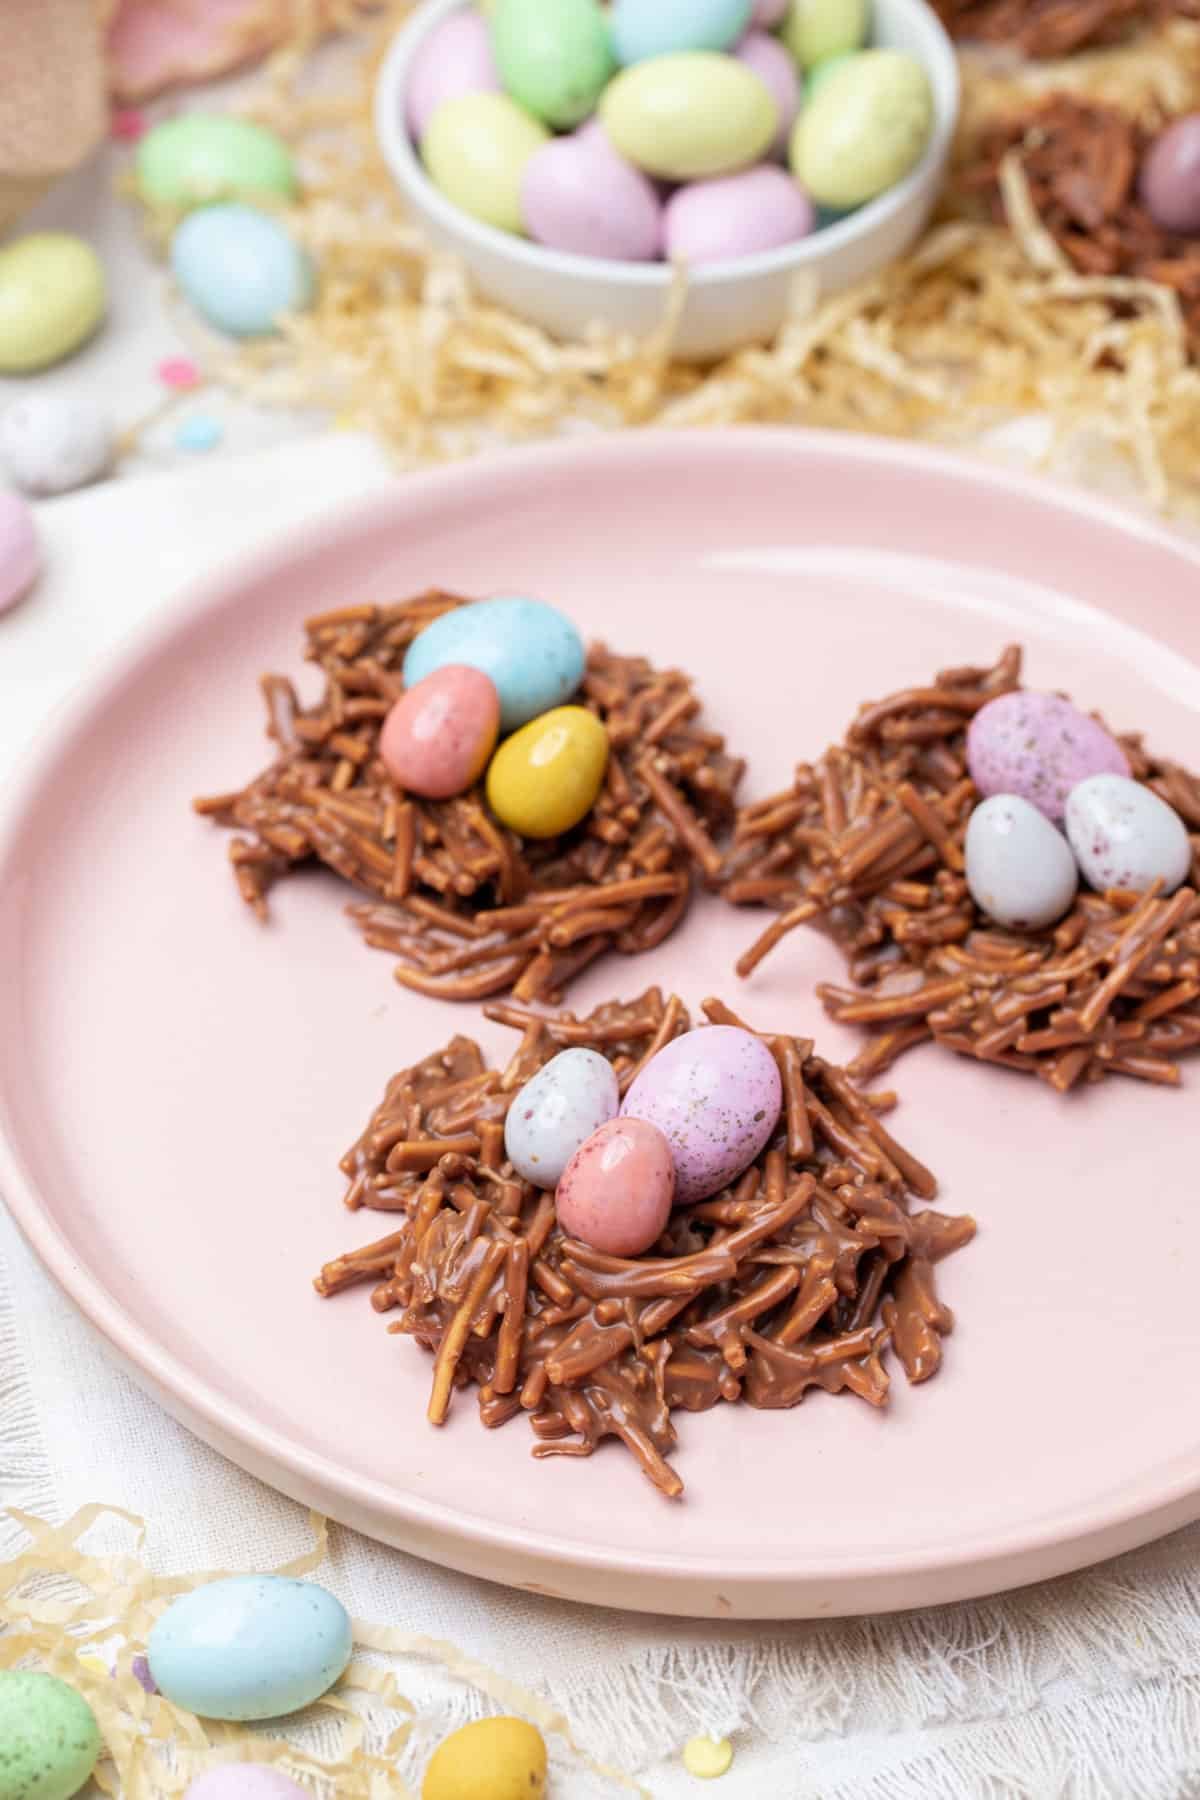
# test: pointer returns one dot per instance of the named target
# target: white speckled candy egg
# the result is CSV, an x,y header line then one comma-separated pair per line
x,y
1038,746
715,1094
1125,836
566,1101
51,442
1019,868
250,1647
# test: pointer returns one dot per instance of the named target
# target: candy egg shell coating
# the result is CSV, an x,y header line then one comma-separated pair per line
x,y
737,215
545,778
475,150
554,56
556,1111
20,551
816,77
200,157
1169,183
715,1094
51,442
455,59
865,130
49,1738
240,268
617,1191
245,1781
493,1759
437,738
250,1647
645,28
532,652
690,115
817,28
578,195
1125,836
766,56
1038,746
52,298
1019,868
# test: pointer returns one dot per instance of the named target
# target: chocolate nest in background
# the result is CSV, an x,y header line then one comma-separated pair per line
x,y
798,1276
868,843
470,908
1049,28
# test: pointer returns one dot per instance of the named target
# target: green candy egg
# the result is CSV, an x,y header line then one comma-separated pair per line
x,y
815,29
52,297
689,115
865,130
49,1738
820,72
554,56
200,157
475,149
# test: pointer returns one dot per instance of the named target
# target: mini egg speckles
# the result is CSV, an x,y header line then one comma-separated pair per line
x,y
555,1112
1038,746
715,1094
1125,836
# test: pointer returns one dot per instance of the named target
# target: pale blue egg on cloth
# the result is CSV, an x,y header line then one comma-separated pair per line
x,y
532,652
240,268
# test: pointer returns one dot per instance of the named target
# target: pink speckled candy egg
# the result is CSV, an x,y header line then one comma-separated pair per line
x,y
245,1781
775,67
20,555
438,736
1038,746
1169,183
454,60
715,1094
737,215
578,195
616,1192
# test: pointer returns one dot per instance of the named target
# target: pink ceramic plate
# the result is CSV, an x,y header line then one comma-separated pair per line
x,y
176,1082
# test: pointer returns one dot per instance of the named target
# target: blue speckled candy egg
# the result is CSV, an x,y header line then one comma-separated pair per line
x,y
554,1113
532,652
645,28
49,1738
240,268
250,1647
715,1094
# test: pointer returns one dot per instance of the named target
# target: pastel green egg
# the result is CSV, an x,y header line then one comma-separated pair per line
x,y
554,56
52,297
49,1738
545,778
820,72
865,130
200,157
815,29
475,149
689,115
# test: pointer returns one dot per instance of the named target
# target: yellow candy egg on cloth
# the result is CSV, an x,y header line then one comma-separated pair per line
x,y
546,777
493,1759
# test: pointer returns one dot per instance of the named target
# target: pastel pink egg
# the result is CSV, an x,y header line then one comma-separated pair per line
x,y
20,553
616,1192
1038,746
768,13
245,1781
454,60
775,68
438,736
737,215
715,1094
578,195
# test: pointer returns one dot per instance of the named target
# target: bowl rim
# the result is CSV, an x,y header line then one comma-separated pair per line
x,y
404,163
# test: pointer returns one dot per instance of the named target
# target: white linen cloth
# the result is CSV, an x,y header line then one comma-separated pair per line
x,y
1088,1688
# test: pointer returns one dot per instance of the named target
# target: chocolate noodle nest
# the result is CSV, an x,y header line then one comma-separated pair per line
x,y
470,908
868,843
798,1276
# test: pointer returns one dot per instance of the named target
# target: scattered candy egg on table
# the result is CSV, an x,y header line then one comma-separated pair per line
x,y
240,268
578,195
493,1759
737,215
645,28
768,59
556,1111
545,778
199,431
437,738
475,150
814,29
554,56
715,1094
201,157
1039,746
49,1738
1124,835
617,1190
454,60
865,130
1020,869
250,1647
532,652
51,442
690,115
1169,183
20,552
52,298
245,1781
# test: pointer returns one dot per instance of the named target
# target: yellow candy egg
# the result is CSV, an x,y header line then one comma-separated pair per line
x,y
494,1759
688,115
475,150
545,777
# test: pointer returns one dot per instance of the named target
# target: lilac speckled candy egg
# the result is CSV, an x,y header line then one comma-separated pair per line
x,y
20,552
737,215
454,60
1038,746
579,195
245,1781
617,1190
556,1111
715,1094
1125,836
437,738
774,66
1170,179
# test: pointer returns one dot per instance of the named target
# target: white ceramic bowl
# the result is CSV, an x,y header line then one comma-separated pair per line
x,y
727,304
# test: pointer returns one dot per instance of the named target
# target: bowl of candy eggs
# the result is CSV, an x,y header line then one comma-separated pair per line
x,y
575,155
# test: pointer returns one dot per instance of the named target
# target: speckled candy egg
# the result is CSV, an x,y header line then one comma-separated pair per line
x,y
437,738
52,298
250,1647
1125,836
1019,868
687,116
20,552
545,778
49,1738
52,441
737,215
1038,746
578,195
617,1190
554,56
455,59
200,157
715,1094
645,28
766,56
240,268
245,1781
558,1110
530,650
1170,179
865,130
493,1759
